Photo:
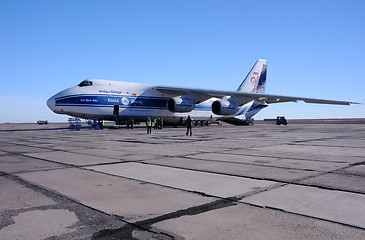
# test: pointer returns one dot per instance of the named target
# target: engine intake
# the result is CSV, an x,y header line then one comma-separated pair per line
x,y
180,104
224,107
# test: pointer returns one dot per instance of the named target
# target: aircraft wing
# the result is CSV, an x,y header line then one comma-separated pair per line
x,y
199,95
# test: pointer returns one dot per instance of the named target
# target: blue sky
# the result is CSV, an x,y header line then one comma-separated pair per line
x,y
313,49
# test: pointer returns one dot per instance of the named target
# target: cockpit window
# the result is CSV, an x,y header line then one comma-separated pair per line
x,y
85,83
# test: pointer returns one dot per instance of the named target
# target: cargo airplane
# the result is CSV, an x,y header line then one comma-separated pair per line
x,y
119,101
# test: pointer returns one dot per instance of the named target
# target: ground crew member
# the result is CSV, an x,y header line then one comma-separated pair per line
x,y
159,123
155,123
132,123
149,125
101,124
189,124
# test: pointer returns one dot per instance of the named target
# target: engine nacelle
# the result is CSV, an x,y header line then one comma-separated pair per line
x,y
180,104
224,107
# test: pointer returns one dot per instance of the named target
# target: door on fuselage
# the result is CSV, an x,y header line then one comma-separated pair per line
x,y
116,110
116,114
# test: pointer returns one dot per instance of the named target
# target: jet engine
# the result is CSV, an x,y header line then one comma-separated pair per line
x,y
179,104
224,107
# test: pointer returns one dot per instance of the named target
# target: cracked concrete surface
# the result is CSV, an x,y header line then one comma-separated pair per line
x,y
225,182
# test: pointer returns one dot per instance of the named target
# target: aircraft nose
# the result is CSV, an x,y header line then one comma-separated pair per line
x,y
51,103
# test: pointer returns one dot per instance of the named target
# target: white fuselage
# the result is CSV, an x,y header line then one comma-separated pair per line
x,y
135,100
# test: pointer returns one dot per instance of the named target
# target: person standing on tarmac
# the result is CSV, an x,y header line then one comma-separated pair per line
x,y
159,123
189,125
155,123
101,124
132,123
149,125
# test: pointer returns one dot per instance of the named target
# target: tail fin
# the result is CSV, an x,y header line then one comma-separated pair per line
x,y
255,81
